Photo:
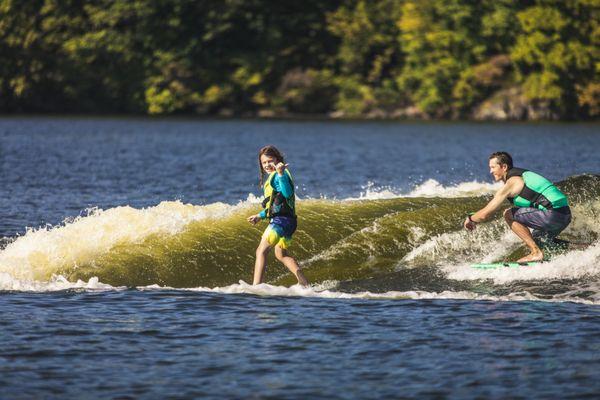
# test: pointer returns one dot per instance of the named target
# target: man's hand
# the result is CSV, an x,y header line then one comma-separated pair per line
x,y
253,219
468,224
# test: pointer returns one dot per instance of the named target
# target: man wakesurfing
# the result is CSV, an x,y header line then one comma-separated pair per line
x,y
537,204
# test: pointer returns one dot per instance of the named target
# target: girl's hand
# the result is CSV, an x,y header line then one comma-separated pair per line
x,y
253,219
280,167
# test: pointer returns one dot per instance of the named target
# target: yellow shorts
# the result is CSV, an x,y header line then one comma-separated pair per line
x,y
279,232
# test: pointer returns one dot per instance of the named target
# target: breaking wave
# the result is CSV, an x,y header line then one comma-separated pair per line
x,y
381,244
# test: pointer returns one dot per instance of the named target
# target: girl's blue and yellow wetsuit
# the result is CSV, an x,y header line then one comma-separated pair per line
x,y
279,206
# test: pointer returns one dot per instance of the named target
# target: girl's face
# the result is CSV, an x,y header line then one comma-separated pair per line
x,y
268,163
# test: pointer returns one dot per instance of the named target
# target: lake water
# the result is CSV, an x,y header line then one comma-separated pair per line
x,y
125,257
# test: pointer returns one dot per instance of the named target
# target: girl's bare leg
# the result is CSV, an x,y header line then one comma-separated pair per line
x,y
291,264
261,261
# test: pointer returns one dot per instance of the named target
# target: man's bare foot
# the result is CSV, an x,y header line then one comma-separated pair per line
x,y
533,256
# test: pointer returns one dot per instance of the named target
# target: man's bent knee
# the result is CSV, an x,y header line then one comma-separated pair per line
x,y
508,215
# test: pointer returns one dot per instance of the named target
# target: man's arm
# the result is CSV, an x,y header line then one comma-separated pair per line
x,y
512,187
493,206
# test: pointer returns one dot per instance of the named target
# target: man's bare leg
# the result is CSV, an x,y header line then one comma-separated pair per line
x,y
524,234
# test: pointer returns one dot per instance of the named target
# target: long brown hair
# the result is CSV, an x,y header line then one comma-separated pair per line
x,y
269,151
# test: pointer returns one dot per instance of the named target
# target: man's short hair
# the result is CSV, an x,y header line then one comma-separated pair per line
x,y
503,158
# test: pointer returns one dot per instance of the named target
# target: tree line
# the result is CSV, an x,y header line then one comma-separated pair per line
x,y
449,59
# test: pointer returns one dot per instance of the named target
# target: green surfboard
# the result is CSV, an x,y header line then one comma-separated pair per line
x,y
499,265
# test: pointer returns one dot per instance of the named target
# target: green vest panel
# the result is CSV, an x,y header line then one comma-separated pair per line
x,y
538,191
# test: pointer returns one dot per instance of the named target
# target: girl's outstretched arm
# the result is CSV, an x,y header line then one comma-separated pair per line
x,y
284,185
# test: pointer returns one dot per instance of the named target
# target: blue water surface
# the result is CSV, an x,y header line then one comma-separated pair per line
x,y
55,168
165,343
169,344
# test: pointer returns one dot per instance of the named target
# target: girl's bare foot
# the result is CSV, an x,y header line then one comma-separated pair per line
x,y
301,278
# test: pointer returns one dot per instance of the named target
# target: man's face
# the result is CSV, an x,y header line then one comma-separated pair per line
x,y
497,170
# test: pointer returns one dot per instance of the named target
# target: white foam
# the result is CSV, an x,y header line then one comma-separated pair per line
x,y
323,290
429,188
56,283
318,292
486,244
577,264
432,188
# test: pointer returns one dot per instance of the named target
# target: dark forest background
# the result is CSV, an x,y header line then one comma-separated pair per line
x,y
448,59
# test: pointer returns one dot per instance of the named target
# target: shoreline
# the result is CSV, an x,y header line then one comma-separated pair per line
x,y
289,117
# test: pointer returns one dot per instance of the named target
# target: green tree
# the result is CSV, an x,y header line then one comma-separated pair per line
x,y
369,55
440,40
555,52
355,57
